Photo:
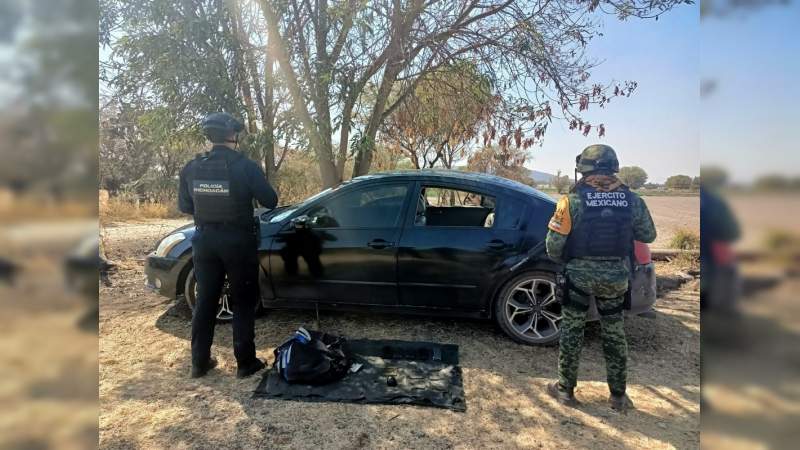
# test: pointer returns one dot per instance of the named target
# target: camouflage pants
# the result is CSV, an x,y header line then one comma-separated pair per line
x,y
612,288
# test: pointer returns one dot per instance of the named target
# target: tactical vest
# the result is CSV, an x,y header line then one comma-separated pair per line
x,y
216,200
605,227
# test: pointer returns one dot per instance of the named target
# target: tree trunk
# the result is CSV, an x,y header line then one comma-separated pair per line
x,y
240,60
269,115
400,23
344,132
367,145
321,145
322,82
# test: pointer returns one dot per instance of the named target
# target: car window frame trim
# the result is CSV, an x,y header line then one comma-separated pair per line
x,y
455,186
354,187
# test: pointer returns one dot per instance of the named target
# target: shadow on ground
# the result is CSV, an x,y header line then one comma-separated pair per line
x,y
751,371
504,386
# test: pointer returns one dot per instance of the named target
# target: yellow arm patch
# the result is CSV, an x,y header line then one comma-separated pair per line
x,y
561,222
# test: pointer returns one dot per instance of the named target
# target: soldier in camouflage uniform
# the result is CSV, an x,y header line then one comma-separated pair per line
x,y
592,231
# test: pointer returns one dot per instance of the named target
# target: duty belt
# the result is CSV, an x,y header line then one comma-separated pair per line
x,y
226,226
603,312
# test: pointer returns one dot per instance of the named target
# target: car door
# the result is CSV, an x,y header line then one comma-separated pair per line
x,y
342,248
452,244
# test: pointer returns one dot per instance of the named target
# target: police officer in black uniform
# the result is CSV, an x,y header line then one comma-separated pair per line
x,y
218,189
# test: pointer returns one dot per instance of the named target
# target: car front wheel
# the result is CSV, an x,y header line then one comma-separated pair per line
x,y
528,309
224,310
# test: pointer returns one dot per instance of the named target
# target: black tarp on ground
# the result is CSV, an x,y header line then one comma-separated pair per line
x,y
427,374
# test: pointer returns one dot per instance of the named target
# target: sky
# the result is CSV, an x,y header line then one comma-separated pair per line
x,y
657,128
750,123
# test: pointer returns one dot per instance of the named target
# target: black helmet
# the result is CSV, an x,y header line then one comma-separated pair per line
x,y
219,126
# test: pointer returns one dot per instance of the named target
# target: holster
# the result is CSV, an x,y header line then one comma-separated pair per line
x,y
567,299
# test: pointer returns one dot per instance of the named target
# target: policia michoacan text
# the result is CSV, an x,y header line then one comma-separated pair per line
x,y
592,231
218,189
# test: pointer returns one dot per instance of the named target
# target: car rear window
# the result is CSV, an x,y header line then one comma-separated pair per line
x,y
440,206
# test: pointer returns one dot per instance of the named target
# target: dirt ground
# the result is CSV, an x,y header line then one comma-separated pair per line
x,y
760,214
48,364
751,365
671,214
148,401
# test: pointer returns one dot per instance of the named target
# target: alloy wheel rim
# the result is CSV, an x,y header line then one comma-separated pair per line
x,y
224,311
532,309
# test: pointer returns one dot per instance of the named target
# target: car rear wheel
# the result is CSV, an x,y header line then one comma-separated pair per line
x,y
528,309
224,310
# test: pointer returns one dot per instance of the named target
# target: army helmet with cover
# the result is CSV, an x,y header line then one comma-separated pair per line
x,y
597,157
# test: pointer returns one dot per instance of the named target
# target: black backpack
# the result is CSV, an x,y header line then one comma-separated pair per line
x,y
311,357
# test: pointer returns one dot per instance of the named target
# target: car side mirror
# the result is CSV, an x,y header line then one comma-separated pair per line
x,y
301,222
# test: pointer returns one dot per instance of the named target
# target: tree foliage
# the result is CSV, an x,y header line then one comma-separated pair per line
x,y
533,51
561,182
125,157
50,92
343,68
142,152
634,176
191,57
680,182
776,182
507,162
436,123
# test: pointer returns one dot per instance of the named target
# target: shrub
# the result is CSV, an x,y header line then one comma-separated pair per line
x,y
685,240
126,206
681,182
782,241
634,176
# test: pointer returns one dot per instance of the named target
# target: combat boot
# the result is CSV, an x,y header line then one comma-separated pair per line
x,y
565,396
199,371
621,403
255,366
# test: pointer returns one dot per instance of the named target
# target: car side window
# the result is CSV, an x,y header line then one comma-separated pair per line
x,y
440,206
371,207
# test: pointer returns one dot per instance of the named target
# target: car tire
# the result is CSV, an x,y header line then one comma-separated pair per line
x,y
223,316
528,309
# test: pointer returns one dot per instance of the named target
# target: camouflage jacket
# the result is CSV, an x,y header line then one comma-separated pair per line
x,y
568,211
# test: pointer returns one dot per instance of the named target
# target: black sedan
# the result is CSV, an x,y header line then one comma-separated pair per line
x,y
427,242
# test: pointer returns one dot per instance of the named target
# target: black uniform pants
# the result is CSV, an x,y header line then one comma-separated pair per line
x,y
218,252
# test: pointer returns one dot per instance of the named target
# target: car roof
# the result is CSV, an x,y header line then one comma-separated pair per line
x,y
456,175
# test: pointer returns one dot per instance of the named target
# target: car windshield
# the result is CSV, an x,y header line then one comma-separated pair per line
x,y
289,211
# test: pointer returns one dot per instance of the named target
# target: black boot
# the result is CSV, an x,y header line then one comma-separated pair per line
x,y
250,369
620,402
199,371
565,396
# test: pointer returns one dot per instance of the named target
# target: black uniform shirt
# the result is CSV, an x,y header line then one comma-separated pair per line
x,y
246,174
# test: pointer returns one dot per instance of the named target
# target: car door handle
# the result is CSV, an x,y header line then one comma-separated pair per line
x,y
379,244
496,244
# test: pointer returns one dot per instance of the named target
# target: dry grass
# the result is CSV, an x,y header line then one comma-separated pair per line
x,y
148,400
123,208
685,239
30,208
782,241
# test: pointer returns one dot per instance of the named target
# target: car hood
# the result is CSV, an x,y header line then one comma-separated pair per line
x,y
263,214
